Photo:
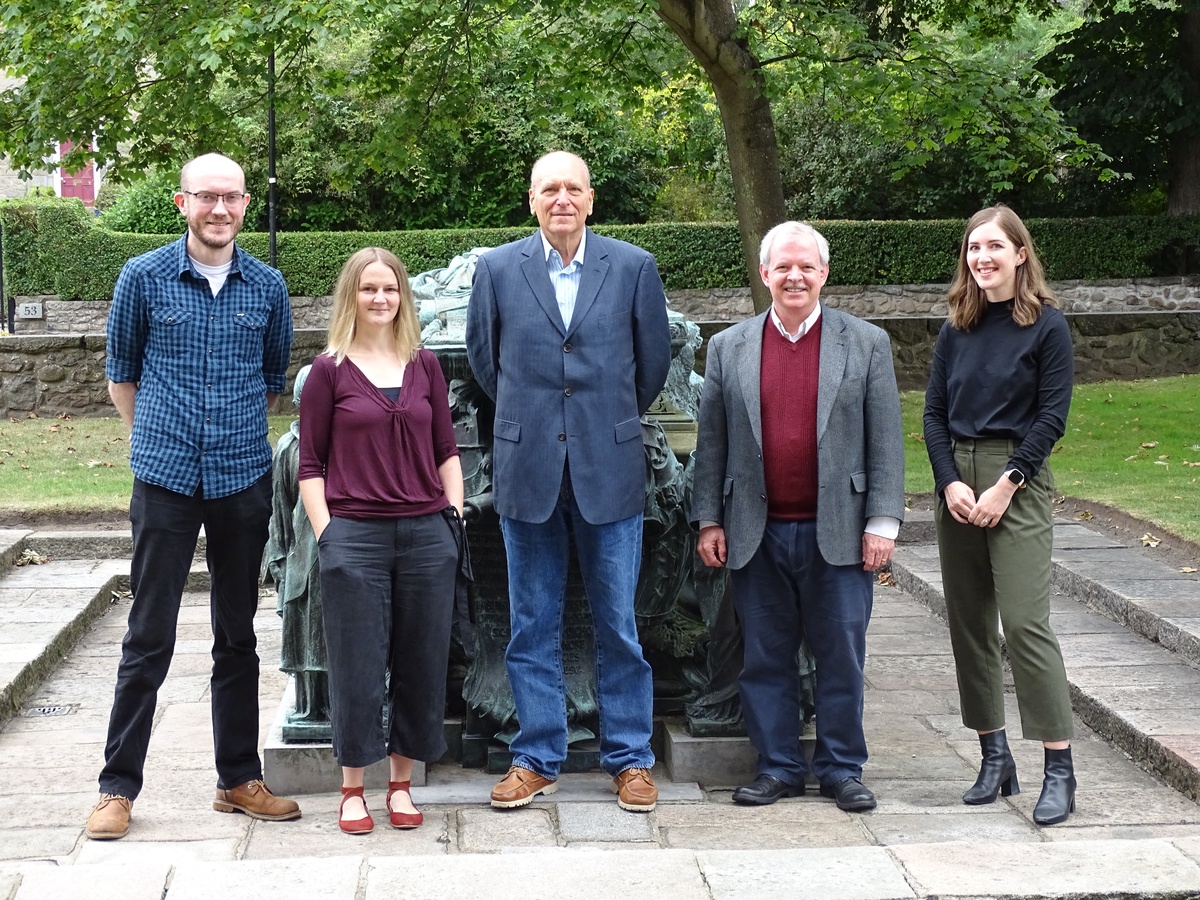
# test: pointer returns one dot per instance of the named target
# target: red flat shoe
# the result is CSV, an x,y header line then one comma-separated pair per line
x,y
354,826
399,819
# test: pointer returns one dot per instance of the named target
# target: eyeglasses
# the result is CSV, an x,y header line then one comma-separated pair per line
x,y
208,198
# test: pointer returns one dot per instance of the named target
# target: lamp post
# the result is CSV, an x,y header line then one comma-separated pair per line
x,y
271,157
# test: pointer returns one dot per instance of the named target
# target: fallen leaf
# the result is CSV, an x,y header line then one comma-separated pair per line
x,y
1187,570
886,579
1131,458
1150,540
1084,516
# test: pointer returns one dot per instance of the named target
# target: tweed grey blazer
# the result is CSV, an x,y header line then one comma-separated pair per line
x,y
860,441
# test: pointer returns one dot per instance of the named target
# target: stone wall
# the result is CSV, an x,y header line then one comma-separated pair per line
x,y
1122,329
733,304
872,302
53,374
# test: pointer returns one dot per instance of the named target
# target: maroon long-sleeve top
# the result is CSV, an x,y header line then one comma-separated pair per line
x,y
379,457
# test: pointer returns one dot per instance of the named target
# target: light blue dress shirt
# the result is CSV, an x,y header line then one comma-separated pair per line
x,y
565,279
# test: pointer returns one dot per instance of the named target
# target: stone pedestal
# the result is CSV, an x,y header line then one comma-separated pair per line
x,y
714,762
310,768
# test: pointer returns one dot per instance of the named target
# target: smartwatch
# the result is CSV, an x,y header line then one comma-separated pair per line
x,y
1016,477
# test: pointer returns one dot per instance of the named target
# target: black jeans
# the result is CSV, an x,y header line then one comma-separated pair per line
x,y
165,528
388,588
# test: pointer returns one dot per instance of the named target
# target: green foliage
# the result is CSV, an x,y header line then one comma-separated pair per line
x,y
55,247
1123,83
147,207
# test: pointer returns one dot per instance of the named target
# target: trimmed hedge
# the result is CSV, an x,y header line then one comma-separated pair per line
x,y
54,246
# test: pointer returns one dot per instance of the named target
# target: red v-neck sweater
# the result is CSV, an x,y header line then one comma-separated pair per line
x,y
788,400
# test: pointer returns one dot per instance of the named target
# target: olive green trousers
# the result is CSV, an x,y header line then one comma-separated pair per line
x,y
1001,575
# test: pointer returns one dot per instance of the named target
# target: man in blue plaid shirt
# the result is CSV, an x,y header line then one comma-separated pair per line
x,y
199,337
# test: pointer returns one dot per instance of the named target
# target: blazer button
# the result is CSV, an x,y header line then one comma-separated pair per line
x,y
567,392
562,436
566,348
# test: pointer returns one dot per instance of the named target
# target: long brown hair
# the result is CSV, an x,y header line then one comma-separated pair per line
x,y
406,329
967,300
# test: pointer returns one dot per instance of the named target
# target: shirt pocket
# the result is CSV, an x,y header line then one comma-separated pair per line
x,y
170,331
247,335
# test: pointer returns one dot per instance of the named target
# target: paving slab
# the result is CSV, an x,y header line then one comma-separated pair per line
x,y
106,853
922,760
564,874
122,881
24,843
1079,537
335,878
1000,825
495,831
1097,868
594,822
316,833
849,873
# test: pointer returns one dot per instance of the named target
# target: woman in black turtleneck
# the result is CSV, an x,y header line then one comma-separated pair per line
x,y
997,401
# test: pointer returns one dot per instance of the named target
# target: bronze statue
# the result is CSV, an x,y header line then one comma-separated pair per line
x,y
290,561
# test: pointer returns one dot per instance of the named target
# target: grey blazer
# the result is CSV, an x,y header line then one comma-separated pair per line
x,y
860,442
576,391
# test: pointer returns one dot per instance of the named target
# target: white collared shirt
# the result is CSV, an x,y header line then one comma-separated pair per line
x,y
565,279
805,326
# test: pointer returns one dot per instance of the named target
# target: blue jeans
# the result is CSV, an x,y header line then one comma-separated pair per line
x,y
165,528
609,559
785,593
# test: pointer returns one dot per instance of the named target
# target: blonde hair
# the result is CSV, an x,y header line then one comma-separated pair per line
x,y
406,330
966,299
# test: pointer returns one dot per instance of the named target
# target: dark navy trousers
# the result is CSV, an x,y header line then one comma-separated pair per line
x,y
785,593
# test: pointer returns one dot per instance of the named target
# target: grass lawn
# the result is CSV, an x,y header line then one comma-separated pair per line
x,y
1133,445
70,467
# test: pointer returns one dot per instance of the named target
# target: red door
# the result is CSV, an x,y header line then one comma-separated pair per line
x,y
81,184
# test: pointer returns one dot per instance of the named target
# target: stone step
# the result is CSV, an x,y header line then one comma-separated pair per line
x,y
1129,628
1150,869
48,603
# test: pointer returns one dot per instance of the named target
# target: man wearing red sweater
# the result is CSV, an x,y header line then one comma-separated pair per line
x,y
799,490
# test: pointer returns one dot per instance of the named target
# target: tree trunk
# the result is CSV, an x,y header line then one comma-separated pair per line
x,y
1183,159
708,28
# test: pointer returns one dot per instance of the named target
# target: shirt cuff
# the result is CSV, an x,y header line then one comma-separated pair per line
x,y
704,523
275,383
119,372
883,526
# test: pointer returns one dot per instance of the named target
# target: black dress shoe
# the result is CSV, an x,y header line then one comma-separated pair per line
x,y
766,789
851,795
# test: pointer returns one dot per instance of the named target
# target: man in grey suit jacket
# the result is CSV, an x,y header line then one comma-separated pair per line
x,y
567,333
799,490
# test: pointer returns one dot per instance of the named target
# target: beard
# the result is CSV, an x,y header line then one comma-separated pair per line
x,y
216,241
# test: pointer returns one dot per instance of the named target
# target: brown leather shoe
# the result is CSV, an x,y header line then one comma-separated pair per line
x,y
255,800
519,787
110,819
635,790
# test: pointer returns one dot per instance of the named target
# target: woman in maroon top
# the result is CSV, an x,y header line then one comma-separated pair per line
x,y
379,476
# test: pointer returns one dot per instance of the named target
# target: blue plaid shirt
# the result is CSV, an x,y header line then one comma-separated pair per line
x,y
204,366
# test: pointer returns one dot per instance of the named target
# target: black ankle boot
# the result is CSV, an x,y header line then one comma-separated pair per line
x,y
997,774
1058,790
